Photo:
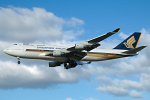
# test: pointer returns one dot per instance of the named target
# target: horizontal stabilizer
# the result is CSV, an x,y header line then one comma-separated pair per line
x,y
133,51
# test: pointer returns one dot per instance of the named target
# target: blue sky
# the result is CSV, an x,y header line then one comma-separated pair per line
x,y
66,22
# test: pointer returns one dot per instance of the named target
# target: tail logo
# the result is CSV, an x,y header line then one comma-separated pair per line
x,y
129,43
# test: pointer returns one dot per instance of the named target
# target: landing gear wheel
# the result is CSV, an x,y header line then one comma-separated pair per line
x,y
73,63
70,64
18,62
65,66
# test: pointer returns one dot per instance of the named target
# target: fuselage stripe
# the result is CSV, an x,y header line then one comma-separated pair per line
x,y
91,54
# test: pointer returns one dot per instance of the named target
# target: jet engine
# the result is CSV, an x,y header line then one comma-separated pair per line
x,y
58,53
83,45
54,64
80,46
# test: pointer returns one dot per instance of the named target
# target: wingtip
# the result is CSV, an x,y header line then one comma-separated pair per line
x,y
145,46
117,30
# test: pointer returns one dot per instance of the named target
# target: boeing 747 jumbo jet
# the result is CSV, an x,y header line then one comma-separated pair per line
x,y
75,55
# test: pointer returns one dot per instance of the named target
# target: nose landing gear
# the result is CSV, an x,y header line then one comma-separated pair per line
x,y
18,60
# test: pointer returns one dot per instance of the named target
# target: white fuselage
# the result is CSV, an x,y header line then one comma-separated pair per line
x,y
37,51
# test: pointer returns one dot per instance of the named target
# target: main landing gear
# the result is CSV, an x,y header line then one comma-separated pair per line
x,y
70,64
18,60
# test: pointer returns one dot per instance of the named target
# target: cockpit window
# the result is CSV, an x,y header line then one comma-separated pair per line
x,y
15,44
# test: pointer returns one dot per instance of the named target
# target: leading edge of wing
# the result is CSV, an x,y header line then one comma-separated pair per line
x,y
96,40
102,37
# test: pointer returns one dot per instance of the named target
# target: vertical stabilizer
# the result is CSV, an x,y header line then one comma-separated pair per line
x,y
130,43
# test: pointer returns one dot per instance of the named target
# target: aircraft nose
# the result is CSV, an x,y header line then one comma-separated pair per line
x,y
9,51
5,50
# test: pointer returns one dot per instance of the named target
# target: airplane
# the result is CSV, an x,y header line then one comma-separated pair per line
x,y
77,54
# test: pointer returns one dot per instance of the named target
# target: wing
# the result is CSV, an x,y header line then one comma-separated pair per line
x,y
93,43
76,52
102,37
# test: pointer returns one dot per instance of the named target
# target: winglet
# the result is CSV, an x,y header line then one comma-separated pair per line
x,y
117,30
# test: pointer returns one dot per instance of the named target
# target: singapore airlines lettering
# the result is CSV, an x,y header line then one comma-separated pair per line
x,y
79,54
129,43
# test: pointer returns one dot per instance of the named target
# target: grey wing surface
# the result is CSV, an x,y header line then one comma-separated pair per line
x,y
93,43
102,37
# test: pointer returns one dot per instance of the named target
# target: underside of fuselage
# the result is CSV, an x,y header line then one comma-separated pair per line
x,y
94,55
89,57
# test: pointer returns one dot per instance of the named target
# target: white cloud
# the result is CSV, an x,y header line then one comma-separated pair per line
x,y
145,80
4,44
91,99
23,76
122,35
130,84
82,99
23,24
135,94
120,91
75,22
69,99
120,87
127,84
114,90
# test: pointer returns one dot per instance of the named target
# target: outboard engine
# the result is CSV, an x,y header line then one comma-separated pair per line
x,y
54,64
83,45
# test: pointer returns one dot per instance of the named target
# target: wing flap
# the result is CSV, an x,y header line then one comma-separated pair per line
x,y
77,56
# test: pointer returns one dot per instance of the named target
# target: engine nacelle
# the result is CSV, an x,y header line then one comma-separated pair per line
x,y
54,64
80,46
69,65
57,53
83,45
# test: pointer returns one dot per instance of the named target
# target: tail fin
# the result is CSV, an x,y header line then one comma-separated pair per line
x,y
130,43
